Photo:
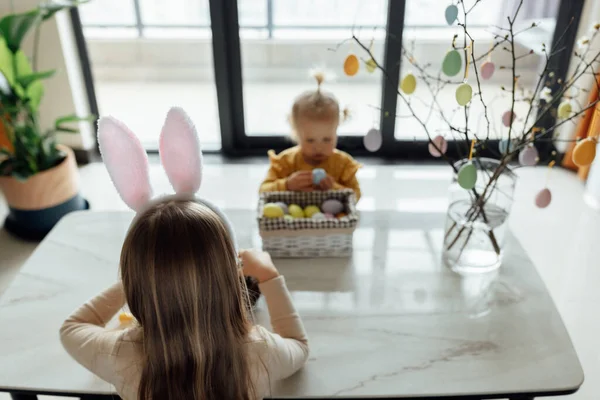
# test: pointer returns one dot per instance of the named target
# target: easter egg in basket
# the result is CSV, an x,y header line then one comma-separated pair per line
x,y
296,211
272,210
311,210
332,206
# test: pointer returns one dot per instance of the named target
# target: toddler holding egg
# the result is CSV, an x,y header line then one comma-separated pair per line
x,y
314,163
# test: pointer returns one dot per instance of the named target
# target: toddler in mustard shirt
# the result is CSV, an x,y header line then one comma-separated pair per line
x,y
315,118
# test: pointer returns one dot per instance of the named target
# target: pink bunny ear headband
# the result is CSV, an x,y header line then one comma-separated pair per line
x,y
180,155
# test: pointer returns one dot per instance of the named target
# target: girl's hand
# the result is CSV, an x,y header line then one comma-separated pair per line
x,y
327,183
258,264
300,181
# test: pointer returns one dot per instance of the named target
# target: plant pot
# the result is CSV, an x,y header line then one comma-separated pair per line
x,y
37,204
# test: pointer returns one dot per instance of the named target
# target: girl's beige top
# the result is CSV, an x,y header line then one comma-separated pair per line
x,y
115,354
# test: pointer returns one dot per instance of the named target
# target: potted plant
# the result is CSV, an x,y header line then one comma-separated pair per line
x,y
38,176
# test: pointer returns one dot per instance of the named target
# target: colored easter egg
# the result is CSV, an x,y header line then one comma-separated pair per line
x,y
296,211
408,84
371,65
508,118
332,206
283,206
329,216
288,218
341,215
464,92
373,140
504,146
543,198
351,65
440,143
564,109
272,210
451,14
487,69
318,215
318,174
467,176
584,152
452,63
309,211
528,156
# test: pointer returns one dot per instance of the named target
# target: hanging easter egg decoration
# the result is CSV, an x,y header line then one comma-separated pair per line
x,y
487,69
529,156
464,93
452,63
585,152
371,65
318,174
440,143
543,198
451,14
508,118
564,109
504,145
408,84
467,176
351,65
372,140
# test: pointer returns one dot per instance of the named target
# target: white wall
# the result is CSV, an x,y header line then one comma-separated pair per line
x,y
60,92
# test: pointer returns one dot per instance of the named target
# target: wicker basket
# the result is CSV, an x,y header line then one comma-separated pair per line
x,y
306,237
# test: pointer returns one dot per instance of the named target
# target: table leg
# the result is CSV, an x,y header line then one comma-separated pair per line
x,y
22,396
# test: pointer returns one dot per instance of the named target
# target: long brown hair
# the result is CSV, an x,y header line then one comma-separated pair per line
x,y
182,284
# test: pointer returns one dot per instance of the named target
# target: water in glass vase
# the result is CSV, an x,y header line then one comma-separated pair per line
x,y
474,237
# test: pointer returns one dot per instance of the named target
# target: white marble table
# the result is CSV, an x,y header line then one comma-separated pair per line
x,y
389,323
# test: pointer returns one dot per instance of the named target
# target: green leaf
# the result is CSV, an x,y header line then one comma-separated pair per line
x,y
22,64
72,118
49,9
6,62
14,27
26,80
35,91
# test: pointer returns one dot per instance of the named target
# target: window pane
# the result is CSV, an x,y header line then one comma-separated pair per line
x,y
306,34
429,45
175,12
138,81
252,12
107,12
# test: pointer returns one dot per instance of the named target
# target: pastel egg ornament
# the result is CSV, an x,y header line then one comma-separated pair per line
x,y
408,84
371,65
318,215
272,210
351,65
543,198
373,140
329,216
283,206
467,176
451,14
565,109
296,211
464,93
311,210
529,156
318,174
332,206
508,118
452,63
288,218
584,152
487,70
438,147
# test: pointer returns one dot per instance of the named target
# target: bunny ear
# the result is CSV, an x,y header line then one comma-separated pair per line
x,y
126,162
180,152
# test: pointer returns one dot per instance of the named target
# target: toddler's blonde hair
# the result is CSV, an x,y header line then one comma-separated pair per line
x,y
316,105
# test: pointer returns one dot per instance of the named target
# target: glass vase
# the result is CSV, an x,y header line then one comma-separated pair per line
x,y
476,220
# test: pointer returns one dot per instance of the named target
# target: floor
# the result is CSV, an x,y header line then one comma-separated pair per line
x,y
562,240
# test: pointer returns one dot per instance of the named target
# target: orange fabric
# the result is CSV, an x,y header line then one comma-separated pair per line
x,y
341,166
589,125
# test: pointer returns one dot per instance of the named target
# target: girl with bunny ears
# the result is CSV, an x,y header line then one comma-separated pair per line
x,y
180,276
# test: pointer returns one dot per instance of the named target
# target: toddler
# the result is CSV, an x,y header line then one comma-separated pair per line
x,y
183,279
314,119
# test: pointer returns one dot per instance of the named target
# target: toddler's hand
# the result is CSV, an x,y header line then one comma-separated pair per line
x,y
327,183
258,264
300,181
